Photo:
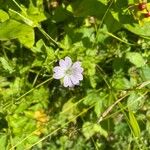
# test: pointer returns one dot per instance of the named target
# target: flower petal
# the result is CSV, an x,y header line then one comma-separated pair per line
x,y
77,67
67,82
66,63
74,80
62,63
77,64
78,76
58,69
58,75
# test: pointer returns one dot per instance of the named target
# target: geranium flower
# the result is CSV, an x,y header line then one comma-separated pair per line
x,y
71,73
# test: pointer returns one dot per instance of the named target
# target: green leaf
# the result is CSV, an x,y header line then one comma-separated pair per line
x,y
39,47
101,34
134,124
121,129
67,42
61,14
111,21
91,98
134,101
88,8
142,30
3,141
32,139
3,82
130,1
6,65
145,74
12,29
103,1
121,83
133,1
99,106
3,16
136,59
89,129
69,111
36,11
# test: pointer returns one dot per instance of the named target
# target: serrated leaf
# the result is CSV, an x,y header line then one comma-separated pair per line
x,y
99,106
121,83
91,98
36,11
89,129
69,110
39,46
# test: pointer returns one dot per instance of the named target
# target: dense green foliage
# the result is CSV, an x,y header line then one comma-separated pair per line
x,y
109,110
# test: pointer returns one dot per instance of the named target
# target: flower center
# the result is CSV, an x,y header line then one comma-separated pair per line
x,y
69,71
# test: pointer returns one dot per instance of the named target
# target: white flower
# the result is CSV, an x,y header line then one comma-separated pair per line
x,y
71,73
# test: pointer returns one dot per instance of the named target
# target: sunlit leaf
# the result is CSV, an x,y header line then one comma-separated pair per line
x,y
12,29
135,58
3,16
89,129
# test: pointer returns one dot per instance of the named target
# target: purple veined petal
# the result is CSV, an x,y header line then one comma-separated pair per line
x,y
74,80
58,72
77,67
58,69
62,63
59,75
78,76
66,63
67,82
76,64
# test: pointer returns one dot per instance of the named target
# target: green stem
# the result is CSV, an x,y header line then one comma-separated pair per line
x,y
33,89
112,35
63,125
17,100
49,37
32,24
